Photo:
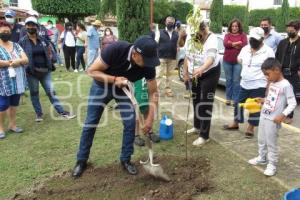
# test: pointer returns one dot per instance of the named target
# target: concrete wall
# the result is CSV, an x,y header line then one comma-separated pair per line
x,y
25,4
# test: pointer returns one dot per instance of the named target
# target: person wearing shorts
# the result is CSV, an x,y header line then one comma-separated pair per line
x,y
142,98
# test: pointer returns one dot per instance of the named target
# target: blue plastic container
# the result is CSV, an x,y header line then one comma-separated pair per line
x,y
293,194
166,128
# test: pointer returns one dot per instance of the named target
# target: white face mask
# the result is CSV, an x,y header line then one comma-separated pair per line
x,y
107,32
49,26
10,20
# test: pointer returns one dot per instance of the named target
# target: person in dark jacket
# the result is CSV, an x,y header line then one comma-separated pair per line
x,y
39,69
42,30
167,51
288,54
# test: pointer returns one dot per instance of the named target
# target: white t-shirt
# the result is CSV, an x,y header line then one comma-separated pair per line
x,y
280,99
69,40
252,76
196,58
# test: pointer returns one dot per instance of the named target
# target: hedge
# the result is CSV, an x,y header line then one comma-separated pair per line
x,y
274,14
238,12
216,16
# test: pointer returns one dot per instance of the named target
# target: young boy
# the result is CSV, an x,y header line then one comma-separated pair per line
x,y
278,104
141,95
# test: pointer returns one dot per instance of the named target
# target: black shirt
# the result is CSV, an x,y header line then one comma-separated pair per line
x,y
38,55
15,33
117,57
287,57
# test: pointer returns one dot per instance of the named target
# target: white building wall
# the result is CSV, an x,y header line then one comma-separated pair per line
x,y
260,4
25,4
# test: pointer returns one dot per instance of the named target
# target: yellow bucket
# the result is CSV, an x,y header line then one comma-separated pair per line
x,y
251,105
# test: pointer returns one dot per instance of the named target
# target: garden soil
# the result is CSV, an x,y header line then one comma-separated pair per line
x,y
188,179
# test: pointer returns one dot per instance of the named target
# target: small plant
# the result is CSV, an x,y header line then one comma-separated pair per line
x,y
194,19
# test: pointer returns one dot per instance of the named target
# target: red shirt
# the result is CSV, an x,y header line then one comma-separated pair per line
x,y
231,53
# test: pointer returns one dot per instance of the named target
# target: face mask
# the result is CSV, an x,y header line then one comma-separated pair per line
x,y
254,43
49,26
5,36
10,20
292,34
170,26
266,29
70,28
32,31
107,33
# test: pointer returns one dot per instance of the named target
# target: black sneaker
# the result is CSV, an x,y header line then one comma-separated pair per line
x,y
154,138
79,169
39,118
139,141
67,115
129,167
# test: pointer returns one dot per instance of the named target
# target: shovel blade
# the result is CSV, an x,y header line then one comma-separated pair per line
x,y
156,171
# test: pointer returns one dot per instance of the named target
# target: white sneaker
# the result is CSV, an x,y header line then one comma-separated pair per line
x,y
76,71
193,130
270,170
200,141
257,161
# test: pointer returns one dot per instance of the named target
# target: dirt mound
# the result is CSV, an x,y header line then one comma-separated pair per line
x,y
188,179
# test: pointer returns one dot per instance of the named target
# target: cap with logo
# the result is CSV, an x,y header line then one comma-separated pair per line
x,y
148,48
257,33
31,20
10,13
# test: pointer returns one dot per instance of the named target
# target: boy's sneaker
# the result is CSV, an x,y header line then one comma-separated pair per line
x,y
270,170
139,141
67,115
200,141
193,131
76,71
154,138
2,135
39,118
257,161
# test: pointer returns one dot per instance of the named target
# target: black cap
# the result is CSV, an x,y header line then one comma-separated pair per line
x,y
148,48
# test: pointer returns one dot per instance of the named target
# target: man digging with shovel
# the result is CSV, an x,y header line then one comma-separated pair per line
x,y
119,63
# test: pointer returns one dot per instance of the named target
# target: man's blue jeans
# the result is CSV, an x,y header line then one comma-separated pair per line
x,y
33,84
92,55
233,79
100,96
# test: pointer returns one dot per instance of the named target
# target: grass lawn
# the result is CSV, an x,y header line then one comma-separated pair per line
x,y
50,147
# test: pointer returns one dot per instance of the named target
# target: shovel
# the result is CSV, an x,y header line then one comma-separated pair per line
x,y
152,169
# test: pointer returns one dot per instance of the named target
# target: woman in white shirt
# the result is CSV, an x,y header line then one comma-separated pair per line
x,y
253,81
68,40
202,72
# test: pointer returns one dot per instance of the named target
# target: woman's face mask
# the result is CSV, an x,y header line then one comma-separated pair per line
x,y
107,32
5,36
32,31
254,43
10,20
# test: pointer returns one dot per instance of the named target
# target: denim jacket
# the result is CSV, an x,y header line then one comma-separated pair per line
x,y
25,43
